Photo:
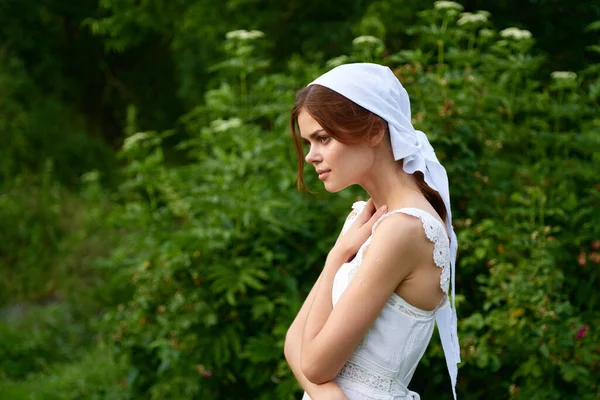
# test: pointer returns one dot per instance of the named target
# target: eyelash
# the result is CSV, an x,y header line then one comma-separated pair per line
x,y
321,139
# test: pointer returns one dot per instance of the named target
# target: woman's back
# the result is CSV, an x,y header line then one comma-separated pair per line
x,y
384,362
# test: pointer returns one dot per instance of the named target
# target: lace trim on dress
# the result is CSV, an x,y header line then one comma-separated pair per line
x,y
362,375
401,305
357,207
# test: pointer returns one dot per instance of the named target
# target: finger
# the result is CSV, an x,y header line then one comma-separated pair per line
x,y
378,214
367,211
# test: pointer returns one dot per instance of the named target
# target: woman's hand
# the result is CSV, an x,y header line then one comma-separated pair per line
x,y
349,243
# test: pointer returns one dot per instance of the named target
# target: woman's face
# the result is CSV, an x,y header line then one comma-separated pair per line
x,y
339,165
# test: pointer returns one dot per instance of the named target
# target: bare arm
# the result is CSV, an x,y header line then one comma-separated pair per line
x,y
292,350
318,312
332,334
293,346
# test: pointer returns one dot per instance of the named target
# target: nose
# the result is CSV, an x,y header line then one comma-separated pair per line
x,y
313,155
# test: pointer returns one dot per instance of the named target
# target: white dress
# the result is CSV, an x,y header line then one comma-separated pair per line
x,y
384,362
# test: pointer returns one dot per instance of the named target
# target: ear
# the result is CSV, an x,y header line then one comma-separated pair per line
x,y
379,133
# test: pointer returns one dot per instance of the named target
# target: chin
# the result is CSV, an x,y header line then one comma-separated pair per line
x,y
334,188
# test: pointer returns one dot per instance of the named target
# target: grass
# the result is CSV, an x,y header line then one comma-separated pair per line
x,y
96,375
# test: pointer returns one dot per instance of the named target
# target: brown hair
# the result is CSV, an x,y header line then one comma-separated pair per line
x,y
349,123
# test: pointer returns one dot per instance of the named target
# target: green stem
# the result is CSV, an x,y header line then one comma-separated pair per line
x,y
556,117
440,43
470,47
513,96
151,197
244,94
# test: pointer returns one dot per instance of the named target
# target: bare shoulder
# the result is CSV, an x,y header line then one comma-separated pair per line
x,y
399,228
399,236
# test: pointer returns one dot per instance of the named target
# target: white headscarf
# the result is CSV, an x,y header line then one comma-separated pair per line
x,y
376,88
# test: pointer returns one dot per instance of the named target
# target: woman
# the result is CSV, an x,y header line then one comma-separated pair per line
x,y
369,317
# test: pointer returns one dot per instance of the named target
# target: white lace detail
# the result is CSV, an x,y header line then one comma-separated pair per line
x,y
356,209
400,304
362,375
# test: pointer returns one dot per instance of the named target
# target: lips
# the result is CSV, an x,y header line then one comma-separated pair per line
x,y
323,174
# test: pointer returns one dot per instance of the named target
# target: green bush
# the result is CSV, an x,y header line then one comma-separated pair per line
x,y
215,286
95,376
30,236
52,335
52,241
39,129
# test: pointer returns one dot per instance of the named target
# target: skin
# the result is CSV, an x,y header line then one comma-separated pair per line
x,y
399,258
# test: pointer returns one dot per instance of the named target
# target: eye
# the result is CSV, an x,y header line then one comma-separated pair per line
x,y
324,139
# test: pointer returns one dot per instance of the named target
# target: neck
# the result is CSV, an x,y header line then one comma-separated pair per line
x,y
387,183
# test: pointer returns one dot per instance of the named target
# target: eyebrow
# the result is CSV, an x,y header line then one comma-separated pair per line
x,y
313,135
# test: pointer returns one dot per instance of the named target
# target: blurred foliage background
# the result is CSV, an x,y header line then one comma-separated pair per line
x,y
153,244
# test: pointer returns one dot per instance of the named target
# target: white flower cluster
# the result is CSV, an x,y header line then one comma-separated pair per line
x,y
452,5
337,61
242,34
470,18
131,141
366,39
564,75
222,125
515,33
91,176
486,33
